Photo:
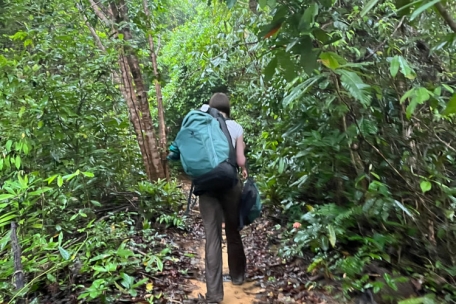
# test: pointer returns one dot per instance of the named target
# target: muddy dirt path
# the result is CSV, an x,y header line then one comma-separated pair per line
x,y
233,294
244,294
269,278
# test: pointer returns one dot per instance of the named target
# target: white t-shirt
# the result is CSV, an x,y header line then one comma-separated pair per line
x,y
234,128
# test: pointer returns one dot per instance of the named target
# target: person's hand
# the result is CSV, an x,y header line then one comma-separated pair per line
x,y
244,173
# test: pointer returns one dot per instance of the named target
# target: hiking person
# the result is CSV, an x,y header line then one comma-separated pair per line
x,y
210,147
216,207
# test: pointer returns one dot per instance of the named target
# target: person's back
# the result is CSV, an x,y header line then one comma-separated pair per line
x,y
216,207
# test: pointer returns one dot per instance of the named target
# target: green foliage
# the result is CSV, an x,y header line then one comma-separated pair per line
x,y
347,107
159,197
420,300
172,220
68,156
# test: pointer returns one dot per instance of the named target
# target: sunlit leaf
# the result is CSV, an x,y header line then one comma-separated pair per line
x,y
329,60
368,7
51,277
25,148
51,179
451,106
65,254
5,240
389,281
417,96
422,8
281,166
405,209
127,281
5,219
6,196
8,145
425,186
18,162
59,181
331,235
300,181
394,66
405,68
421,300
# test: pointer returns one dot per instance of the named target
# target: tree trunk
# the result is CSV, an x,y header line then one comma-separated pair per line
x,y
19,279
134,91
135,118
143,118
125,82
161,111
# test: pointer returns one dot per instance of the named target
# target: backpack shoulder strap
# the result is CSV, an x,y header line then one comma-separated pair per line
x,y
222,121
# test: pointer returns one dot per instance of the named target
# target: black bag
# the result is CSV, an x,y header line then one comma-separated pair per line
x,y
250,205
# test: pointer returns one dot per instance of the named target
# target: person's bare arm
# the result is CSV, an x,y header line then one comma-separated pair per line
x,y
240,147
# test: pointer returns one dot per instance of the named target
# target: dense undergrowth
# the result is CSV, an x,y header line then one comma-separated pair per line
x,y
348,109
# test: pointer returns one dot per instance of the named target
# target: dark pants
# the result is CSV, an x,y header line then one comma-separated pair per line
x,y
213,208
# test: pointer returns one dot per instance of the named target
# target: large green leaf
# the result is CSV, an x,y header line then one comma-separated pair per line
x,y
400,62
6,218
6,196
269,71
416,96
451,106
422,8
300,89
403,7
421,300
394,66
329,60
331,235
64,253
368,7
5,240
405,68
287,65
308,17
355,86
309,56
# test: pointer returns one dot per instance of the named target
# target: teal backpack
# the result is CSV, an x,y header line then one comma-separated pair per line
x,y
206,151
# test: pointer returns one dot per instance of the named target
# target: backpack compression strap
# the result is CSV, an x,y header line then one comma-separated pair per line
x,y
222,121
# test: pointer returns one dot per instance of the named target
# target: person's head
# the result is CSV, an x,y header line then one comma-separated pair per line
x,y
220,102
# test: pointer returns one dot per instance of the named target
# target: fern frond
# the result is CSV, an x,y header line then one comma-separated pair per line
x,y
355,86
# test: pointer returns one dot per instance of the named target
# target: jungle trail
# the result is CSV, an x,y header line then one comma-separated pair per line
x,y
348,109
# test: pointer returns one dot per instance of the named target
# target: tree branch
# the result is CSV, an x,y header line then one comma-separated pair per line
x,y
92,31
99,12
446,16
373,52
